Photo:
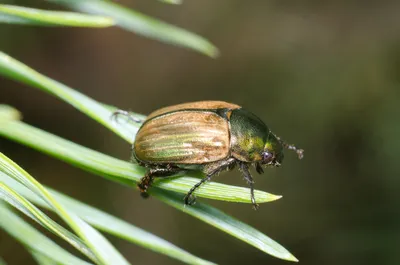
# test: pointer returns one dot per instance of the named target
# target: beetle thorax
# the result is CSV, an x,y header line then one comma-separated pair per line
x,y
248,136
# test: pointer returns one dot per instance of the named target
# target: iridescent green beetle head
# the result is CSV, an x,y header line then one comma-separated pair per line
x,y
252,141
273,151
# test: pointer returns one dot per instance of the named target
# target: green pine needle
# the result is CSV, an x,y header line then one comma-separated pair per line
x,y
32,16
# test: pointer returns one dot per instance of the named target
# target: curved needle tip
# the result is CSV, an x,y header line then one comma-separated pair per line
x,y
276,197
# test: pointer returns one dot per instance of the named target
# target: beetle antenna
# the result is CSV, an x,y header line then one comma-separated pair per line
x,y
125,114
300,152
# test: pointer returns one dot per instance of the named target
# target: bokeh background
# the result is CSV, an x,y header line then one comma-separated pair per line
x,y
322,74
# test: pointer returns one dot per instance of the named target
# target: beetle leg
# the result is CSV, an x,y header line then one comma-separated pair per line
x,y
125,113
145,183
147,180
247,176
190,199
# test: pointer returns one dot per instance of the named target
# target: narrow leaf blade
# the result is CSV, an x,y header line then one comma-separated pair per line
x,y
32,16
8,113
108,223
228,224
42,259
23,205
104,251
33,239
141,24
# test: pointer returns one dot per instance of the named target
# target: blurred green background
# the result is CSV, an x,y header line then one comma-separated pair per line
x,y
323,75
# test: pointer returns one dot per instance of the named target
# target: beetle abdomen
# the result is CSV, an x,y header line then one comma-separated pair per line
x,y
184,137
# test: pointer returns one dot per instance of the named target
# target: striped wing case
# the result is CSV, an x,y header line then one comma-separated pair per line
x,y
183,137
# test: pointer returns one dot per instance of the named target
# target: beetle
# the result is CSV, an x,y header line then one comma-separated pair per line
x,y
209,136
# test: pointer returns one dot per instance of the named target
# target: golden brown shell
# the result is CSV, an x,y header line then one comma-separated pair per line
x,y
201,105
183,137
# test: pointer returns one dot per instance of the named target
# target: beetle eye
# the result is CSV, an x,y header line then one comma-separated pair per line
x,y
267,157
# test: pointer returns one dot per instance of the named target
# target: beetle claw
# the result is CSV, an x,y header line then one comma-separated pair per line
x,y
190,199
144,195
256,206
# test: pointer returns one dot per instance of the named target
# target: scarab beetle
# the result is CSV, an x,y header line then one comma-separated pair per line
x,y
210,136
